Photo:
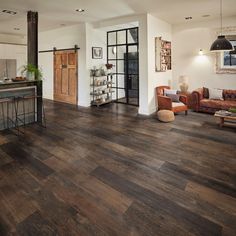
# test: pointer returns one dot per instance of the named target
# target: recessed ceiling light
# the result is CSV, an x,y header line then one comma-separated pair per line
x,y
188,18
16,28
205,15
9,12
80,10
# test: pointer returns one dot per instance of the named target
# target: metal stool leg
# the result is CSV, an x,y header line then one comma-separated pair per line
x,y
23,101
44,116
3,115
16,108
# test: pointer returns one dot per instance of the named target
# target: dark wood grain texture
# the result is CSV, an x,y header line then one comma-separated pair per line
x,y
109,171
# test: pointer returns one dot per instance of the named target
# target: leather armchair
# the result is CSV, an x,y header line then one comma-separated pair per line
x,y
165,103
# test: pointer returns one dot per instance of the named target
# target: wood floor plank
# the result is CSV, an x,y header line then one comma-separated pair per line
x,y
109,171
204,180
224,202
199,225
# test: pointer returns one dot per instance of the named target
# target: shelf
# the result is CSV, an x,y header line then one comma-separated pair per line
x,y
163,54
96,94
101,76
94,103
97,86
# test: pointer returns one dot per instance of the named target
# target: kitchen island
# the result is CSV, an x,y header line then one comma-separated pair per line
x,y
31,107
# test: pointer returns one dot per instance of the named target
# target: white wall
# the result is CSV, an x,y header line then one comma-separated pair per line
x,y
143,52
10,38
64,38
12,47
156,28
18,52
85,37
187,40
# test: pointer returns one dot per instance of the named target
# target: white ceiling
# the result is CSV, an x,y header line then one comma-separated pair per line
x,y
57,13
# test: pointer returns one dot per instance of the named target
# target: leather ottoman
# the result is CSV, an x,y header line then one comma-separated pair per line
x,y
166,115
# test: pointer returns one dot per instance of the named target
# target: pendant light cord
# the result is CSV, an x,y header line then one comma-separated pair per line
x,y
221,24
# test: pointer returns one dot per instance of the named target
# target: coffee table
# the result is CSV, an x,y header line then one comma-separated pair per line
x,y
224,117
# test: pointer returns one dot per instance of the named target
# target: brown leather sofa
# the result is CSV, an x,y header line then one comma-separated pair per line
x,y
202,103
165,103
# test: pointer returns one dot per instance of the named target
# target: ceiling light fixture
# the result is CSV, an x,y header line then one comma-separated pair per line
x,y
80,10
9,12
221,43
188,18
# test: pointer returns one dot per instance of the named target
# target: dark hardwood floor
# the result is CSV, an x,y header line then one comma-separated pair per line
x,y
108,171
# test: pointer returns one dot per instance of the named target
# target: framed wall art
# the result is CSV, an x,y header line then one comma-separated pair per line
x,y
97,53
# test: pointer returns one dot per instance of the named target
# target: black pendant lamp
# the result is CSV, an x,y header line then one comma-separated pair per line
x,y
221,43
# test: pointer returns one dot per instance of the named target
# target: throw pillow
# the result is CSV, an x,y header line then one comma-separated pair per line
x,y
174,97
229,95
205,92
170,91
216,94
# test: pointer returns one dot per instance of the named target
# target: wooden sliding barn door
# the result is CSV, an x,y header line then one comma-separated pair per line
x,y
65,76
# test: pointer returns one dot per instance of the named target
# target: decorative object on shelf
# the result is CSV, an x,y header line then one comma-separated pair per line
x,y
162,55
31,72
183,83
109,66
221,43
18,79
97,53
97,72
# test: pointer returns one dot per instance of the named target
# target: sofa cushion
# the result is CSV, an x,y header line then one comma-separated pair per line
x,y
174,97
177,104
217,104
170,91
205,92
216,94
229,95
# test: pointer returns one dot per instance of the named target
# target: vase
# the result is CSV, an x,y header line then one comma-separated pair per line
x,y
183,87
30,76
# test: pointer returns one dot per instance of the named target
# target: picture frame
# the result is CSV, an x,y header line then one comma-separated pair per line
x,y
222,64
97,53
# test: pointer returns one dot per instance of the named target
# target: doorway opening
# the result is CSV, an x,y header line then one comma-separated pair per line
x,y
123,53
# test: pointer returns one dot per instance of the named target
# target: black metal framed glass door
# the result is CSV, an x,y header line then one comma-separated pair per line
x,y
123,53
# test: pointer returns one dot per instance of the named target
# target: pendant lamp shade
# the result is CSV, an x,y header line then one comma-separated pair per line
x,y
221,44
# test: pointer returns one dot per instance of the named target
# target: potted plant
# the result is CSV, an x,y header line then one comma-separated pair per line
x,y
32,72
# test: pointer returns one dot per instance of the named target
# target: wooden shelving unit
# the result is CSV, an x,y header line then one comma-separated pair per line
x,y
163,55
101,90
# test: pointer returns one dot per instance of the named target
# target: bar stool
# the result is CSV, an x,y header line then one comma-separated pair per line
x,y
6,118
21,115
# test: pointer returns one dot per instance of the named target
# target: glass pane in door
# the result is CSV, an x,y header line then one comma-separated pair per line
x,y
111,38
132,35
132,75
